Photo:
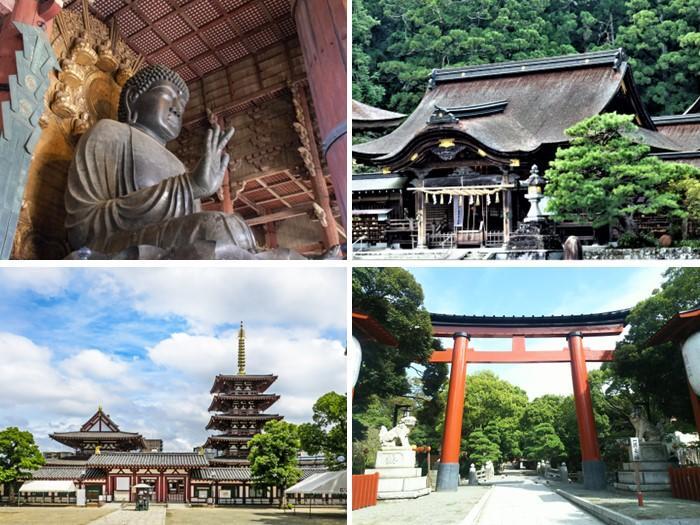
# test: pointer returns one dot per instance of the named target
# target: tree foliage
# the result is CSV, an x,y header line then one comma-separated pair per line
x,y
542,442
606,177
18,453
328,432
394,298
654,376
481,449
396,43
273,455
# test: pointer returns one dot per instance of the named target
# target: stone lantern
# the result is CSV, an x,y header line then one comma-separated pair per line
x,y
535,185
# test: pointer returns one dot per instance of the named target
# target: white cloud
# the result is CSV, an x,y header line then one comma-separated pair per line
x,y
30,378
43,281
208,297
93,363
306,364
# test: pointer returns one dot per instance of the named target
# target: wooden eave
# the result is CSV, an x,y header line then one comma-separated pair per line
x,y
599,324
678,328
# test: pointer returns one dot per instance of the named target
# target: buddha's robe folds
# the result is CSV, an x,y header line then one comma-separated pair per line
x,y
126,189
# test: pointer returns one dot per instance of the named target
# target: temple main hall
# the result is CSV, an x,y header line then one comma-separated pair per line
x,y
272,69
108,462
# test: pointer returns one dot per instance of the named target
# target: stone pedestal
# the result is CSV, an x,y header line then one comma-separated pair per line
x,y
398,476
653,469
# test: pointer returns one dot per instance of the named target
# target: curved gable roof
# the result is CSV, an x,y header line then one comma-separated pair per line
x,y
543,98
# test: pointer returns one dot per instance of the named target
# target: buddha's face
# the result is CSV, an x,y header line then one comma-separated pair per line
x,y
159,110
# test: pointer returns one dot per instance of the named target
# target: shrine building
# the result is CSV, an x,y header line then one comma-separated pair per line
x,y
272,69
454,172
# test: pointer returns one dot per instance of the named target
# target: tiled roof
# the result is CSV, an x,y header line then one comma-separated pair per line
x,y
66,472
251,417
92,436
148,459
222,473
240,473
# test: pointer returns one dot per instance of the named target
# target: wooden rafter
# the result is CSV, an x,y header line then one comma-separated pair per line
x,y
296,211
273,192
257,209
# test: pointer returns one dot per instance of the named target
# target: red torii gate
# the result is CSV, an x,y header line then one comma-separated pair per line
x,y
573,327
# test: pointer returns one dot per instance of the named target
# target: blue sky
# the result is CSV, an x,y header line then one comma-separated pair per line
x,y
535,291
147,343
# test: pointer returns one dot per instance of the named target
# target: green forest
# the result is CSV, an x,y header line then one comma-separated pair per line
x,y
500,422
396,43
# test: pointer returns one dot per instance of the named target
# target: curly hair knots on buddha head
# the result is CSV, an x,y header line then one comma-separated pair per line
x,y
142,82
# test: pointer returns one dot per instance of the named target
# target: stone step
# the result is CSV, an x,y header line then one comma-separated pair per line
x,y
401,484
395,472
646,465
646,487
650,476
403,494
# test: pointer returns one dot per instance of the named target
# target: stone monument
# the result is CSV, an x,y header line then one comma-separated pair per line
x,y
649,461
396,464
652,465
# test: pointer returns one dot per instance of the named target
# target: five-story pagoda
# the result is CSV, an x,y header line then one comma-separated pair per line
x,y
238,405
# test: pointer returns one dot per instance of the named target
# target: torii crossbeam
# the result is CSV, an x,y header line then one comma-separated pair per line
x,y
573,327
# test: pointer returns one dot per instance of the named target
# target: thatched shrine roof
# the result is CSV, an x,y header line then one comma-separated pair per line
x,y
515,108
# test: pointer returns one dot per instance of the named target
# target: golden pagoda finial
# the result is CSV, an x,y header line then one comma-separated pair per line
x,y
99,407
241,350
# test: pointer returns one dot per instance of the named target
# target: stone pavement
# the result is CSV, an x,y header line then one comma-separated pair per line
x,y
522,501
437,508
153,516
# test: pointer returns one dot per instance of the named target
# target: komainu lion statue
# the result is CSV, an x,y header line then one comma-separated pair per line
x,y
388,437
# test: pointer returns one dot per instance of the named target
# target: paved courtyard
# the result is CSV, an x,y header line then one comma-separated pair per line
x,y
48,515
437,508
253,515
153,516
532,503
112,514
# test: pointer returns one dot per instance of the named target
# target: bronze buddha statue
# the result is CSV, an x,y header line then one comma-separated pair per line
x,y
126,192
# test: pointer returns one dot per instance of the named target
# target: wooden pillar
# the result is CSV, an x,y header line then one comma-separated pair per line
x,y
313,164
593,467
420,219
322,31
448,470
271,234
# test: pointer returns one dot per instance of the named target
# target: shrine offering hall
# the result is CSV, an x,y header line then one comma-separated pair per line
x,y
272,69
455,171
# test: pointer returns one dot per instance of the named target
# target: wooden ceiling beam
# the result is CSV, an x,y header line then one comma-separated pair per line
x,y
272,90
252,205
137,10
289,196
196,30
301,186
273,192
280,215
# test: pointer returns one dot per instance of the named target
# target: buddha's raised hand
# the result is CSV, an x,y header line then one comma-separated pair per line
x,y
209,173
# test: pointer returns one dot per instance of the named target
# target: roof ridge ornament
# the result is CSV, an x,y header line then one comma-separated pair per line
x,y
452,115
